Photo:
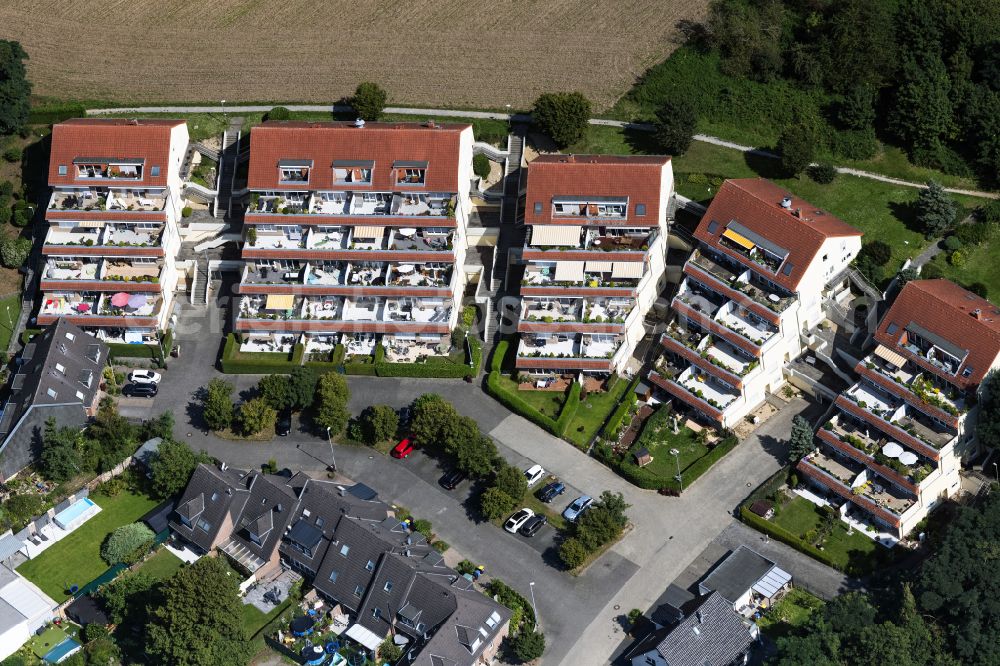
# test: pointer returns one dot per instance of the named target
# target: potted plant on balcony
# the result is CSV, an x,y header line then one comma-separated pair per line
x,y
252,236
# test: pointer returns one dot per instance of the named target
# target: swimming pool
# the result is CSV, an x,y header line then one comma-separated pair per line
x,y
61,651
70,517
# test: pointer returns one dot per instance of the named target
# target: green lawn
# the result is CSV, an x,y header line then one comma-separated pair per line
x,y
594,411
53,636
854,552
77,558
10,311
548,403
980,266
254,620
162,565
789,613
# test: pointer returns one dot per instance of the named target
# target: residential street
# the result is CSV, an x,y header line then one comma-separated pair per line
x,y
578,614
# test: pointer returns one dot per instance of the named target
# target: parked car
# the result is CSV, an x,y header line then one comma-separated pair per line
x,y
532,525
551,491
451,479
516,521
405,416
144,377
403,449
534,474
283,425
140,390
577,507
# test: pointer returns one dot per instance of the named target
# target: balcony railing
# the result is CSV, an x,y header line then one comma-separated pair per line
x,y
743,281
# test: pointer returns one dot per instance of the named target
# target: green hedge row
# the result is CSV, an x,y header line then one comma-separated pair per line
x,y
612,427
569,409
261,363
122,350
498,355
56,113
786,537
769,487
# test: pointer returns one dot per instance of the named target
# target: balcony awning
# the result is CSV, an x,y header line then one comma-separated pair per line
x,y
549,234
569,271
365,636
279,302
890,356
738,239
598,266
627,269
90,224
369,232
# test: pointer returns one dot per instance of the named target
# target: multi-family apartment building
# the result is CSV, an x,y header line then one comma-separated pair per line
x,y
594,259
112,239
765,263
353,232
892,445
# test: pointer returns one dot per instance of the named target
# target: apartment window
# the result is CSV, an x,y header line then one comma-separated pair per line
x,y
538,208
294,175
204,525
345,549
333,576
640,210
370,566
52,394
215,496
60,368
79,395
154,171
388,586
358,591
493,620
712,226
62,169
255,538
376,613
70,336
144,260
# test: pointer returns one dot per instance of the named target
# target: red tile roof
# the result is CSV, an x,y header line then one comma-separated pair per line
x,y
117,138
637,177
383,143
949,311
756,204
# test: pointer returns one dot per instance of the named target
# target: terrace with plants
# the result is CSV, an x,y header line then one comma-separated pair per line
x,y
552,309
868,442
742,279
713,350
861,481
927,387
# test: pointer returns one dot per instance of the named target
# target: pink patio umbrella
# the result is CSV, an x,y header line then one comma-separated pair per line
x,y
83,307
136,300
120,299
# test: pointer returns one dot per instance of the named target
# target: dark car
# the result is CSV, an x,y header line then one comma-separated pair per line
x,y
452,479
405,416
140,390
283,425
535,523
551,491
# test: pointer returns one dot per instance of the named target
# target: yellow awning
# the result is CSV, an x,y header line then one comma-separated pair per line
x,y
738,239
369,232
627,269
550,234
890,356
279,302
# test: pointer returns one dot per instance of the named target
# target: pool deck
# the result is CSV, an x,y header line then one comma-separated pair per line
x,y
51,534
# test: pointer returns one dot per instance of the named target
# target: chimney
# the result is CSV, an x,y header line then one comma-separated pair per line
x,y
359,122
343,490
977,313
786,203
701,619
797,213
571,158
223,466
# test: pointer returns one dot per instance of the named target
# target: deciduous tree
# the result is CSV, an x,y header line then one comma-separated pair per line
x,y
379,423
255,416
563,116
512,482
369,100
495,503
172,466
218,404
675,125
15,89
127,543
332,395
276,391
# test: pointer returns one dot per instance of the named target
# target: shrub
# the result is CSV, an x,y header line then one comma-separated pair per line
x,y
979,289
14,251
5,210
931,272
797,145
952,243
823,173
563,116
957,259
975,233
187,211
675,125
573,553
481,166
369,100
93,632
13,154
6,188
495,503
989,213
127,544
22,216
255,416
528,645
389,652
278,113
854,144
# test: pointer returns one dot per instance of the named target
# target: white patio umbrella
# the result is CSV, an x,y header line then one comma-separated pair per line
x,y
908,458
405,268
892,450
406,231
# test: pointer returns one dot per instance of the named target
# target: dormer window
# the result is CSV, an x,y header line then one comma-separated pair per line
x,y
410,173
154,171
601,207
103,167
357,172
294,171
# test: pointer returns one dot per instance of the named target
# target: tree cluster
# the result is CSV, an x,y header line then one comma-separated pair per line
x,y
924,75
15,89
127,544
602,523
437,427
563,116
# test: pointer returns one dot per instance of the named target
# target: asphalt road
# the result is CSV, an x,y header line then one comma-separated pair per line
x,y
579,614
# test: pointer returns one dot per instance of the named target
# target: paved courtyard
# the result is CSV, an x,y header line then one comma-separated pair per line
x,y
578,613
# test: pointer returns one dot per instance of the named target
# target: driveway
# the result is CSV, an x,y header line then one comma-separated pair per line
x,y
578,613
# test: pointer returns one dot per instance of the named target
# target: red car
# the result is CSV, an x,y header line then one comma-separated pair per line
x,y
403,449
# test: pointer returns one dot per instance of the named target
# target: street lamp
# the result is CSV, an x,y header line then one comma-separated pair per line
x,y
531,586
468,347
677,457
995,472
333,464
507,106
224,110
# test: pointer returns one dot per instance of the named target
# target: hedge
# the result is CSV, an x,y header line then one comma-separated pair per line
x,y
786,537
770,486
29,333
514,403
611,428
122,350
56,113
432,367
258,363
498,355
569,409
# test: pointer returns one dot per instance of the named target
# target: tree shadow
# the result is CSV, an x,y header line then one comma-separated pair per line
x,y
906,212
776,448
765,166
195,410
641,141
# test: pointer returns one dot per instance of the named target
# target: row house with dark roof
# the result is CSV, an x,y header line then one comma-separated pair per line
x,y
891,448
594,260
765,263
355,233
109,251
